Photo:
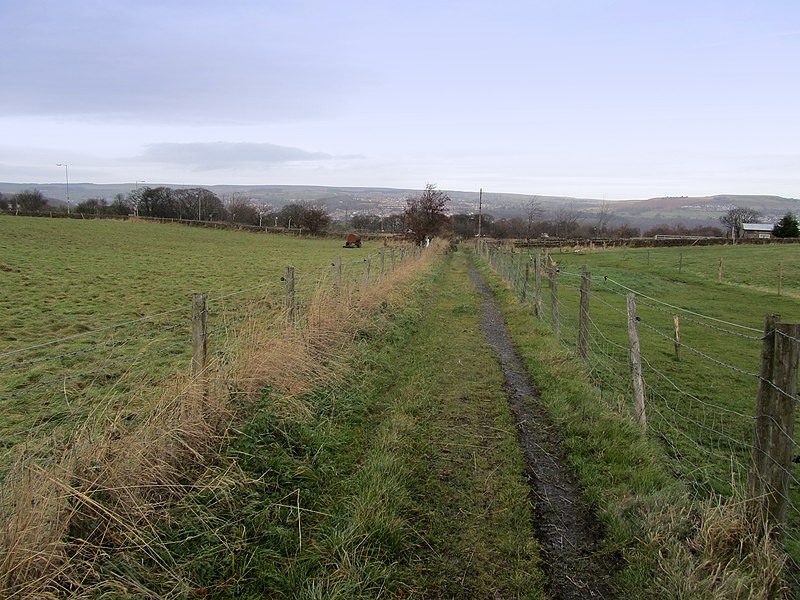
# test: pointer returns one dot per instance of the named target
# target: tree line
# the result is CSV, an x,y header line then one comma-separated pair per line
x,y
190,203
425,216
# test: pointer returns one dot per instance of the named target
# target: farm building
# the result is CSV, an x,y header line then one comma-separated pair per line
x,y
755,230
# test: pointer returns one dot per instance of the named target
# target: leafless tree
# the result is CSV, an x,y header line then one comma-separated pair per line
x,y
734,218
425,214
567,220
604,215
533,212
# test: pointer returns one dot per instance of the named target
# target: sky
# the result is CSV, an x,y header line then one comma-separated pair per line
x,y
611,99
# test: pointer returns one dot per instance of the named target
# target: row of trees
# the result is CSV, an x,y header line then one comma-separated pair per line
x,y
193,203
204,205
425,216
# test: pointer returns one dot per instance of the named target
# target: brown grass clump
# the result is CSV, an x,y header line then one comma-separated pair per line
x,y
714,550
66,510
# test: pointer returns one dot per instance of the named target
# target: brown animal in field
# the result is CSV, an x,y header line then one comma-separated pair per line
x,y
353,240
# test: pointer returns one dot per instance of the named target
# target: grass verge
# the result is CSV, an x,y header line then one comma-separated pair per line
x,y
673,546
403,480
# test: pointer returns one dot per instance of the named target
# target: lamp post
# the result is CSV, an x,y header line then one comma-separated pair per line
x,y
66,174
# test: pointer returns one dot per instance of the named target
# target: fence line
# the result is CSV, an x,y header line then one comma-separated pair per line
x,y
43,385
705,406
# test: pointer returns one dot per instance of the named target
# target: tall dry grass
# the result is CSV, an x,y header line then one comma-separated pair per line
x,y
714,550
68,507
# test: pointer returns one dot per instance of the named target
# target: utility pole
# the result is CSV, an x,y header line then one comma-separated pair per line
x,y
480,211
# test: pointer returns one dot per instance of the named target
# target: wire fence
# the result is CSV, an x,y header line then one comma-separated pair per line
x,y
709,398
51,386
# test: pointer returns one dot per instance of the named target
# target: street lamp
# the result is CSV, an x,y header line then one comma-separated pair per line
x,y
66,174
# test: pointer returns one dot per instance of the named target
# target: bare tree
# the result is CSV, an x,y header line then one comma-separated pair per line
x,y
567,221
29,200
315,219
604,215
734,218
533,212
425,214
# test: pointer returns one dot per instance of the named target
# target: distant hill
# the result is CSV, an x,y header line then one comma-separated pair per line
x,y
341,201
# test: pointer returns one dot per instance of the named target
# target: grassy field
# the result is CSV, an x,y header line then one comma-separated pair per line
x,y
90,309
378,473
700,406
371,453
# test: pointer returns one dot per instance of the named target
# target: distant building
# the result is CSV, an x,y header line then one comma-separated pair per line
x,y
749,231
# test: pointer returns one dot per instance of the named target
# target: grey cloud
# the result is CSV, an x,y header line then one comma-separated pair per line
x,y
208,156
124,61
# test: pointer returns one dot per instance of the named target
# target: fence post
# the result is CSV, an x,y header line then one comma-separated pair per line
x,y
367,260
338,264
537,286
383,262
773,435
291,300
525,281
583,324
721,269
636,363
554,317
199,333
393,263
780,277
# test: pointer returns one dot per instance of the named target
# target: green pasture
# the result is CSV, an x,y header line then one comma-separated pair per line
x,y
700,403
117,294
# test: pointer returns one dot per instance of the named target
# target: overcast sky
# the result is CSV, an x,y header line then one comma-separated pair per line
x,y
594,98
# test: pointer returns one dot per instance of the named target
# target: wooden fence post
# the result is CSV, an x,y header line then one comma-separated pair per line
x,y
773,435
636,363
525,281
721,271
383,262
780,277
583,323
554,317
199,333
393,262
537,286
676,321
291,299
368,262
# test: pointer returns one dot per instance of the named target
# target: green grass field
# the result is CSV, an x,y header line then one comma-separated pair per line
x,y
396,472
90,309
700,406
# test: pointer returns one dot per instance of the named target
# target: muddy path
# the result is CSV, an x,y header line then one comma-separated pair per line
x,y
567,534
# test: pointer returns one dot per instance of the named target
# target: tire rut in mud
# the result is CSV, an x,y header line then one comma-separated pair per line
x,y
567,534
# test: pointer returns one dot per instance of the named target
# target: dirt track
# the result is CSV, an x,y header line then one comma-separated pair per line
x,y
566,532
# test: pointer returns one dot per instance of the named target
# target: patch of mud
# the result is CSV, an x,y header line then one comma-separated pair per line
x,y
567,534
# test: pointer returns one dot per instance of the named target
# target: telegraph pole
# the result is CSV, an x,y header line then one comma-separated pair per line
x,y
480,211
